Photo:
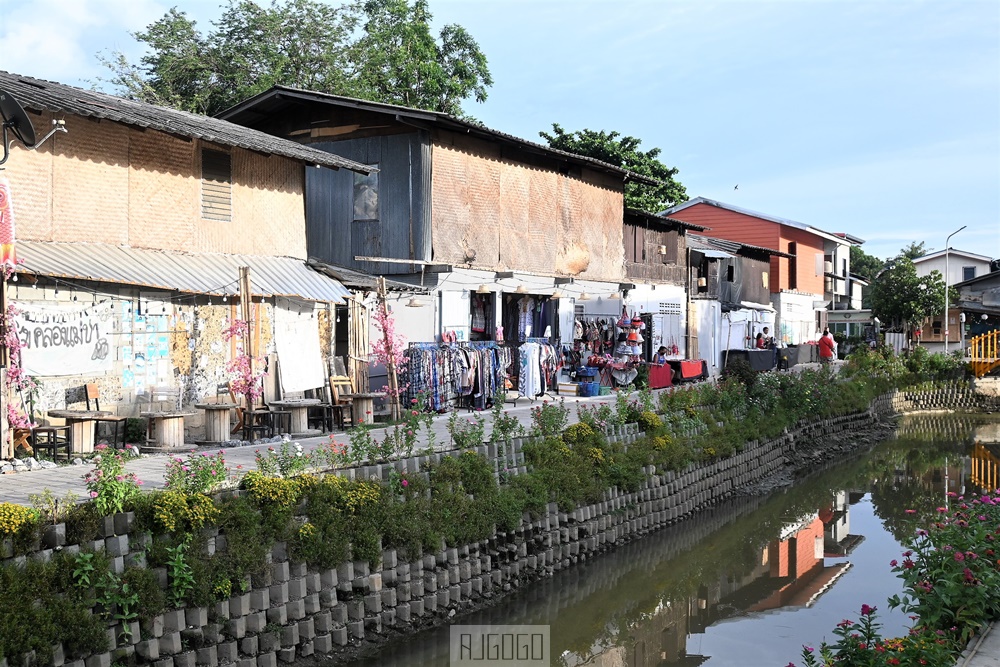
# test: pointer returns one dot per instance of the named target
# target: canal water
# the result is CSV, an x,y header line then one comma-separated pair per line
x,y
753,580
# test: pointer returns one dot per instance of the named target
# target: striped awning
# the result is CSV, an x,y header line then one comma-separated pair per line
x,y
193,273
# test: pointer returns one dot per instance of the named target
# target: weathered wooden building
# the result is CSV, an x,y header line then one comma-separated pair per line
x,y
492,223
134,224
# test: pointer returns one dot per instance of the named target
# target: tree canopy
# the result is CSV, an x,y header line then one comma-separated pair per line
x,y
865,265
900,298
613,148
915,250
379,50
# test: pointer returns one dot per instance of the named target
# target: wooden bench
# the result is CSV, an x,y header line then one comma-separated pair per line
x,y
166,418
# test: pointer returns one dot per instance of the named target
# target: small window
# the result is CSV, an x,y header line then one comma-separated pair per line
x,y
366,195
730,273
216,185
968,272
793,266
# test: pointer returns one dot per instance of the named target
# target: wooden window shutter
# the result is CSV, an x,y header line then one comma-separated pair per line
x,y
216,185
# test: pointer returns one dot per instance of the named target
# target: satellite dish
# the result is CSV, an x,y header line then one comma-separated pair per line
x,y
15,119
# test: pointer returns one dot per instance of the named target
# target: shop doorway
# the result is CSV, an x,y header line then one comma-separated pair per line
x,y
525,316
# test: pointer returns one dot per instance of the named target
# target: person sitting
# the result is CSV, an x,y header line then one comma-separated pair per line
x,y
759,343
660,357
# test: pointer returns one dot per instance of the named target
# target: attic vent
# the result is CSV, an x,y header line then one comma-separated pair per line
x,y
216,185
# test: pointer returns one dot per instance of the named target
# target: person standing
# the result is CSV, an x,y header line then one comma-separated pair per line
x,y
827,347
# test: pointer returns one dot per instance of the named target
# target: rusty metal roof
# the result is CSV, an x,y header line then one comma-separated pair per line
x,y
205,273
264,104
39,95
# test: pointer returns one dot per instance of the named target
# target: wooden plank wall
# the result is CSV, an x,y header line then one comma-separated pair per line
x,y
403,228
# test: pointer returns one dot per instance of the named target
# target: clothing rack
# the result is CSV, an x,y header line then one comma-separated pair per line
x,y
457,374
538,366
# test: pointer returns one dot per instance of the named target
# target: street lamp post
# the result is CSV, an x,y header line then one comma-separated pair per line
x,y
947,247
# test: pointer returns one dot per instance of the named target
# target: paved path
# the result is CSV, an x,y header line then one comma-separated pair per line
x,y
18,487
983,651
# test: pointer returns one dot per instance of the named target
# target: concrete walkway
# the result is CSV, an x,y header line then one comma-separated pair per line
x,y
18,487
984,650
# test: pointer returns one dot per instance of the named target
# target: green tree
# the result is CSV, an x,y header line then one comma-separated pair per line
x,y
624,152
901,299
402,63
865,265
915,250
381,50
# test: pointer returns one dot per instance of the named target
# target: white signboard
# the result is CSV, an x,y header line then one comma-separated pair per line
x,y
57,342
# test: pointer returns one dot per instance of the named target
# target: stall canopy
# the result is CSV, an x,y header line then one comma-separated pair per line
x,y
202,273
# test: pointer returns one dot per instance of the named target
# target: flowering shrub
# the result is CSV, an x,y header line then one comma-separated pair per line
x,y
598,417
466,432
626,410
109,485
578,434
289,460
15,518
267,490
332,454
199,473
950,573
649,421
549,419
178,511
363,445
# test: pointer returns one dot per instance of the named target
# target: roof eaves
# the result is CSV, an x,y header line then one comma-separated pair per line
x,y
435,117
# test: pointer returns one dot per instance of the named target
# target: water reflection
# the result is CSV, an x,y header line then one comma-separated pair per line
x,y
752,580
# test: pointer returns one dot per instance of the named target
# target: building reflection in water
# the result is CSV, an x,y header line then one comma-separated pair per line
x,y
793,570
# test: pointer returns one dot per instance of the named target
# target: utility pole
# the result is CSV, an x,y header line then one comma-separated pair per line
x,y
946,249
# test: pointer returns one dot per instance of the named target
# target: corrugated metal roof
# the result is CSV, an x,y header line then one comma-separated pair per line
x,y
359,280
39,95
706,249
206,273
434,117
734,247
763,216
664,220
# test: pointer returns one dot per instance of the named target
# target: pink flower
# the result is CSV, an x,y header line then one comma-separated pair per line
x,y
911,511
405,483
959,556
867,611
93,494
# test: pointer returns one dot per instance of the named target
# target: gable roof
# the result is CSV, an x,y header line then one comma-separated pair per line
x,y
39,95
952,251
663,220
731,247
265,104
839,238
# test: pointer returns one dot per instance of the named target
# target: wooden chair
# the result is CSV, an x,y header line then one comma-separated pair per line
x,y
117,422
321,416
255,419
342,406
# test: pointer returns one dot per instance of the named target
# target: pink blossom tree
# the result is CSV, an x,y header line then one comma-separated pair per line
x,y
245,371
390,350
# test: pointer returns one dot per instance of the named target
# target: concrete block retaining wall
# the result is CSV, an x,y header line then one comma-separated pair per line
x,y
293,613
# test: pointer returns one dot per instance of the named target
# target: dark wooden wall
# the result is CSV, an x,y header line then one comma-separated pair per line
x,y
402,230
643,261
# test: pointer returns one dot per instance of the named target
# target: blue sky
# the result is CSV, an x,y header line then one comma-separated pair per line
x,y
877,118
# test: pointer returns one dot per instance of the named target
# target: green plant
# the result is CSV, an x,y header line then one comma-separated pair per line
x,y
549,419
505,425
199,473
84,570
52,509
109,485
649,421
175,511
286,461
363,445
179,574
466,432
135,430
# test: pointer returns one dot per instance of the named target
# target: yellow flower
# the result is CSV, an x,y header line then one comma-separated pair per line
x,y
15,518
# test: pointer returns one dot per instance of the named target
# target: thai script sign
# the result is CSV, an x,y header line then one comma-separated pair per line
x,y
59,342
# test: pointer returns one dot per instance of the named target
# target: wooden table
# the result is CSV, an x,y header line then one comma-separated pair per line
x,y
81,427
168,427
216,421
363,406
299,407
